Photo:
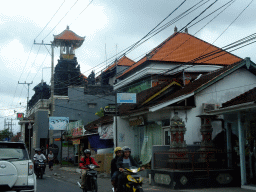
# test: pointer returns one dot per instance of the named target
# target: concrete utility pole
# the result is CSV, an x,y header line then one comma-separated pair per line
x,y
9,126
50,133
28,94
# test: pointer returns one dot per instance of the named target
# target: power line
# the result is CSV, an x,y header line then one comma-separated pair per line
x,y
60,20
123,52
51,19
81,13
22,73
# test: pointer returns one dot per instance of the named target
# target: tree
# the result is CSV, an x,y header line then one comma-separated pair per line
x,y
5,134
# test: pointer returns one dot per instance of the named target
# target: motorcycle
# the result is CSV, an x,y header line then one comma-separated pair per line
x,y
133,179
91,179
39,168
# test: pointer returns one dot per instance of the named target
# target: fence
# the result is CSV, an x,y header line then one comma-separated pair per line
x,y
200,160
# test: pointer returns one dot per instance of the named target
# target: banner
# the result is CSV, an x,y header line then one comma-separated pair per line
x,y
58,123
76,142
75,129
106,131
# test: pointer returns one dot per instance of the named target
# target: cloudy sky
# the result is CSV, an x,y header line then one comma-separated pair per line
x,y
109,26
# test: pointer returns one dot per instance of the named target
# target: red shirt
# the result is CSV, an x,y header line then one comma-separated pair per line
x,y
87,162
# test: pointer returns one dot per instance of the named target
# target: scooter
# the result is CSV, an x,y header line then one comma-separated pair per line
x,y
39,168
91,179
133,179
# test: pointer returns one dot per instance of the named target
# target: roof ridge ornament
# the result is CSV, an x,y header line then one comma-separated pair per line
x,y
175,29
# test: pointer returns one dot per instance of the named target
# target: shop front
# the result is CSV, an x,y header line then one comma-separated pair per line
x,y
240,120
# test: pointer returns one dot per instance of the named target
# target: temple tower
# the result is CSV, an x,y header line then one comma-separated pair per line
x,y
67,71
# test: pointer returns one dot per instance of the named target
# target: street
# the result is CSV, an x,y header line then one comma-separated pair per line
x,y
64,179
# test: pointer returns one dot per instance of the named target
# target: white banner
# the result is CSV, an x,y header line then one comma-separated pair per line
x,y
106,131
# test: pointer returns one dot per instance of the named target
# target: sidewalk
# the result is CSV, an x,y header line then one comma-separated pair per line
x,y
72,175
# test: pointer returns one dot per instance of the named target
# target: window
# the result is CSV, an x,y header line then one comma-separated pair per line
x,y
92,105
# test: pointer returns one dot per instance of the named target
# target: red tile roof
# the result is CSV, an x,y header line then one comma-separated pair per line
x,y
68,35
185,48
124,61
189,88
246,97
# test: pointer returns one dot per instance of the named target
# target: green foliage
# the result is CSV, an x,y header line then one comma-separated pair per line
x,y
100,113
5,134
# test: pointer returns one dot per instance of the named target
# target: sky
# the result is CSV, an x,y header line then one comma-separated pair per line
x,y
109,26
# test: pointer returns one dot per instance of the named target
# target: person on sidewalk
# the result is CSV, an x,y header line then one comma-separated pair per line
x,y
84,161
127,159
114,171
50,160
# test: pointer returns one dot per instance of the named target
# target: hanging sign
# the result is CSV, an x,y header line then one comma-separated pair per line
x,y
20,116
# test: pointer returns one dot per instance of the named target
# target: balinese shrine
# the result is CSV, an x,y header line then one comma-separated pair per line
x,y
192,166
67,71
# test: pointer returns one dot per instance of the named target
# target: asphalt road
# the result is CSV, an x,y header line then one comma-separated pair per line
x,y
53,184
66,181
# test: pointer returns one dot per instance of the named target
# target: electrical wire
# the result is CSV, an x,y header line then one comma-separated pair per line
x,y
51,19
21,74
60,20
124,52
81,12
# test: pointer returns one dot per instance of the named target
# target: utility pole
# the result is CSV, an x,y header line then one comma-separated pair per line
x,y
50,133
28,94
9,125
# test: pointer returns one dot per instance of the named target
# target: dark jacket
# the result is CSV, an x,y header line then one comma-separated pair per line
x,y
119,163
113,165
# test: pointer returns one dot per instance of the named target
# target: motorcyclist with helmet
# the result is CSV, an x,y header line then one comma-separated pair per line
x,y
126,158
114,170
84,161
38,156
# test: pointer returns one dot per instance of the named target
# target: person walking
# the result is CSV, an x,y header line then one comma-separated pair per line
x,y
50,160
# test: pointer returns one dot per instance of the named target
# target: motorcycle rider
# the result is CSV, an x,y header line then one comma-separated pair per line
x,y
84,161
38,156
114,170
126,158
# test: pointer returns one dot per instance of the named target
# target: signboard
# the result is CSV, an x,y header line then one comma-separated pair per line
x,y
75,129
106,131
137,121
76,142
126,98
57,139
110,110
20,116
58,123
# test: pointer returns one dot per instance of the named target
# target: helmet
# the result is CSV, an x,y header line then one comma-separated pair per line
x,y
117,149
126,148
87,151
37,150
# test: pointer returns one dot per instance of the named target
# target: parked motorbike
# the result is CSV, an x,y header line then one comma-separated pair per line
x,y
39,168
133,179
91,179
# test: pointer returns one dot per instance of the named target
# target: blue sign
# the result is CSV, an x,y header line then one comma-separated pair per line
x,y
58,123
126,98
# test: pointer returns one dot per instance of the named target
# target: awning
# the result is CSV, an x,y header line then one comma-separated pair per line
x,y
97,143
